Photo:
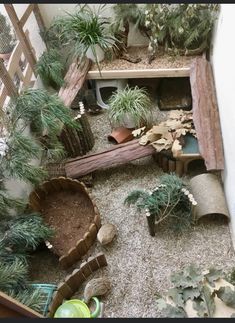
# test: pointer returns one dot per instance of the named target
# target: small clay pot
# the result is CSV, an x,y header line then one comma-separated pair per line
x,y
120,135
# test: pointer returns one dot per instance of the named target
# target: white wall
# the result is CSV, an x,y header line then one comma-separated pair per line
x,y
49,11
223,61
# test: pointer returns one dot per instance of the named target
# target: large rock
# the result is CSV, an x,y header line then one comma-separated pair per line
x,y
106,233
96,287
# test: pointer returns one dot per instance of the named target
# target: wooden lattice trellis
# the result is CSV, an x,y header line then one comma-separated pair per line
x,y
21,64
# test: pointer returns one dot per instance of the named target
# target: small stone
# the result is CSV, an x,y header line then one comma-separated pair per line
x,y
96,287
106,233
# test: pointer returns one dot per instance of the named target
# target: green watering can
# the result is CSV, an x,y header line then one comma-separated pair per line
x,y
75,308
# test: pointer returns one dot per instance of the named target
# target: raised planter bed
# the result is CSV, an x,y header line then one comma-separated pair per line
x,y
66,206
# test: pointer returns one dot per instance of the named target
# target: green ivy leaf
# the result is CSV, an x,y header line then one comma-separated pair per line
x,y
227,295
176,295
205,305
213,275
169,310
190,293
188,277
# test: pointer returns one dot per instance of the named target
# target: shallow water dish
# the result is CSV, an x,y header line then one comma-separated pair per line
x,y
68,208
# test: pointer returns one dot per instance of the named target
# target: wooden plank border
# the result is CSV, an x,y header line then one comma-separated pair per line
x,y
15,308
71,284
81,246
138,73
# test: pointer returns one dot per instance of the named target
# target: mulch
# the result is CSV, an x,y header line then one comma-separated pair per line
x,y
70,215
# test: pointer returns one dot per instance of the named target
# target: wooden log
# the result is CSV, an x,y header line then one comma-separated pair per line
x,y
179,167
117,155
81,247
165,164
64,289
101,260
97,221
85,269
75,279
205,114
74,80
93,264
88,239
151,224
171,165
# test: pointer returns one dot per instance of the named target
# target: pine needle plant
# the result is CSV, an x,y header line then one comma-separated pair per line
x,y
170,203
7,41
19,236
51,68
133,103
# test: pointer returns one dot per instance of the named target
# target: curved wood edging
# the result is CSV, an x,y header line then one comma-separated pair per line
x,y
71,284
81,246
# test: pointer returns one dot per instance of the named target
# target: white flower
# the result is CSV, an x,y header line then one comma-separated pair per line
x,y
146,12
194,203
155,41
147,23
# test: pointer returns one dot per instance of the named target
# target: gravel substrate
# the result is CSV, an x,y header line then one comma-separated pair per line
x,y
139,266
162,60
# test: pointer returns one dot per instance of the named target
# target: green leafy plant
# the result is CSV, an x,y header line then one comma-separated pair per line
x,y
7,41
85,29
133,103
170,202
181,28
191,284
50,68
126,14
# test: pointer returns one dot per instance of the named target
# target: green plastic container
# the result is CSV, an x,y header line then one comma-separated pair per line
x,y
75,308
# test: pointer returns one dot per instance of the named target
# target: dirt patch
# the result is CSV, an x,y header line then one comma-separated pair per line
x,y
70,215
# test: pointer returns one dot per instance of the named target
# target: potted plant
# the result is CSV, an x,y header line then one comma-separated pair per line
x,y
130,108
7,41
86,32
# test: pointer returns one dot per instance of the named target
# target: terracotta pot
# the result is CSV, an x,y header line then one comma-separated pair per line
x,y
120,135
5,56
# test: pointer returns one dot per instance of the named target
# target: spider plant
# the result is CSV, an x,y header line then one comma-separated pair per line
x,y
51,68
85,29
133,104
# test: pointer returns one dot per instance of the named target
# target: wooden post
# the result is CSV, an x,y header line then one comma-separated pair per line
x,y
7,81
151,224
38,16
21,35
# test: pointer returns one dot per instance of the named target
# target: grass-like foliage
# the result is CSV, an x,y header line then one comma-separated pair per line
x,y
25,233
51,69
83,29
13,276
170,202
133,102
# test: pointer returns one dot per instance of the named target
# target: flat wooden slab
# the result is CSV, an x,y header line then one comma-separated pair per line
x,y
119,154
206,115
